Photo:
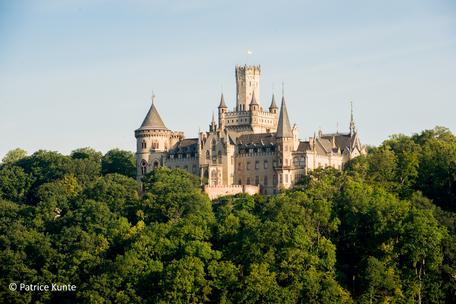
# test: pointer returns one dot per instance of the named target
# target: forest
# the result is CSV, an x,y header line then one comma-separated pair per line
x,y
381,231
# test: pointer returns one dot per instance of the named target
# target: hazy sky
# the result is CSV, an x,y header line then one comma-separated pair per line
x,y
80,73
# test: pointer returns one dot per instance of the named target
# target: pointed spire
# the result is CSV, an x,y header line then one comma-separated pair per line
x,y
254,101
352,121
273,103
153,119
213,125
222,102
283,127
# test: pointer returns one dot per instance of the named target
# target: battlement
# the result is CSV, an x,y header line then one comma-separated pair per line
x,y
250,69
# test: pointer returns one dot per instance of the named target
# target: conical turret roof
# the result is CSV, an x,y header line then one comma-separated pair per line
x,y
222,102
153,119
283,127
254,101
273,103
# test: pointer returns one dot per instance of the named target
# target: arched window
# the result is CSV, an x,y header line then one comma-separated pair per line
x,y
208,155
143,144
156,164
154,145
143,167
219,157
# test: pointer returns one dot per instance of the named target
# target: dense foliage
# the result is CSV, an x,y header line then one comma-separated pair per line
x,y
382,231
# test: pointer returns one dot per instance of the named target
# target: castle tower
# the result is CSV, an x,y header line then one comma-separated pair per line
x,y
222,109
247,85
153,139
285,143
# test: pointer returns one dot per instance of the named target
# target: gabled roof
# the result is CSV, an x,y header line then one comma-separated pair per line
x,y
283,127
153,119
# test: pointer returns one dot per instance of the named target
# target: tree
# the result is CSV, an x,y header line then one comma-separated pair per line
x,y
14,183
14,155
119,161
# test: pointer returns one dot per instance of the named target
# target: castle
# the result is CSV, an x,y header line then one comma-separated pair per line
x,y
249,149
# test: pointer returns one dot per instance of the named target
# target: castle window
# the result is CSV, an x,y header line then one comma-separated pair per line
x,y
257,180
213,145
208,155
239,166
265,164
143,144
220,157
274,179
257,164
248,180
194,169
143,167
248,166
265,181
156,164
240,181
286,178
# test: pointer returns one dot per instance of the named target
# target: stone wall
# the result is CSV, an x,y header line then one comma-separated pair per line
x,y
217,191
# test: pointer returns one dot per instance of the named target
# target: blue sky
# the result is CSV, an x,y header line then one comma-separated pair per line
x,y
80,73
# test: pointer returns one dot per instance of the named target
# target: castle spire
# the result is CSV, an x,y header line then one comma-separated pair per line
x,y
283,127
254,101
213,125
352,121
222,102
273,103
153,119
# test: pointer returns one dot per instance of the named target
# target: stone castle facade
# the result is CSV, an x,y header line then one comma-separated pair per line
x,y
248,149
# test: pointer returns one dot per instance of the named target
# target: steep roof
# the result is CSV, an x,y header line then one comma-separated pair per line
x,y
254,101
283,127
256,139
187,145
153,119
222,102
273,103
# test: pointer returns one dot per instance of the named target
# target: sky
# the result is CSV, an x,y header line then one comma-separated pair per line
x,y
81,73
